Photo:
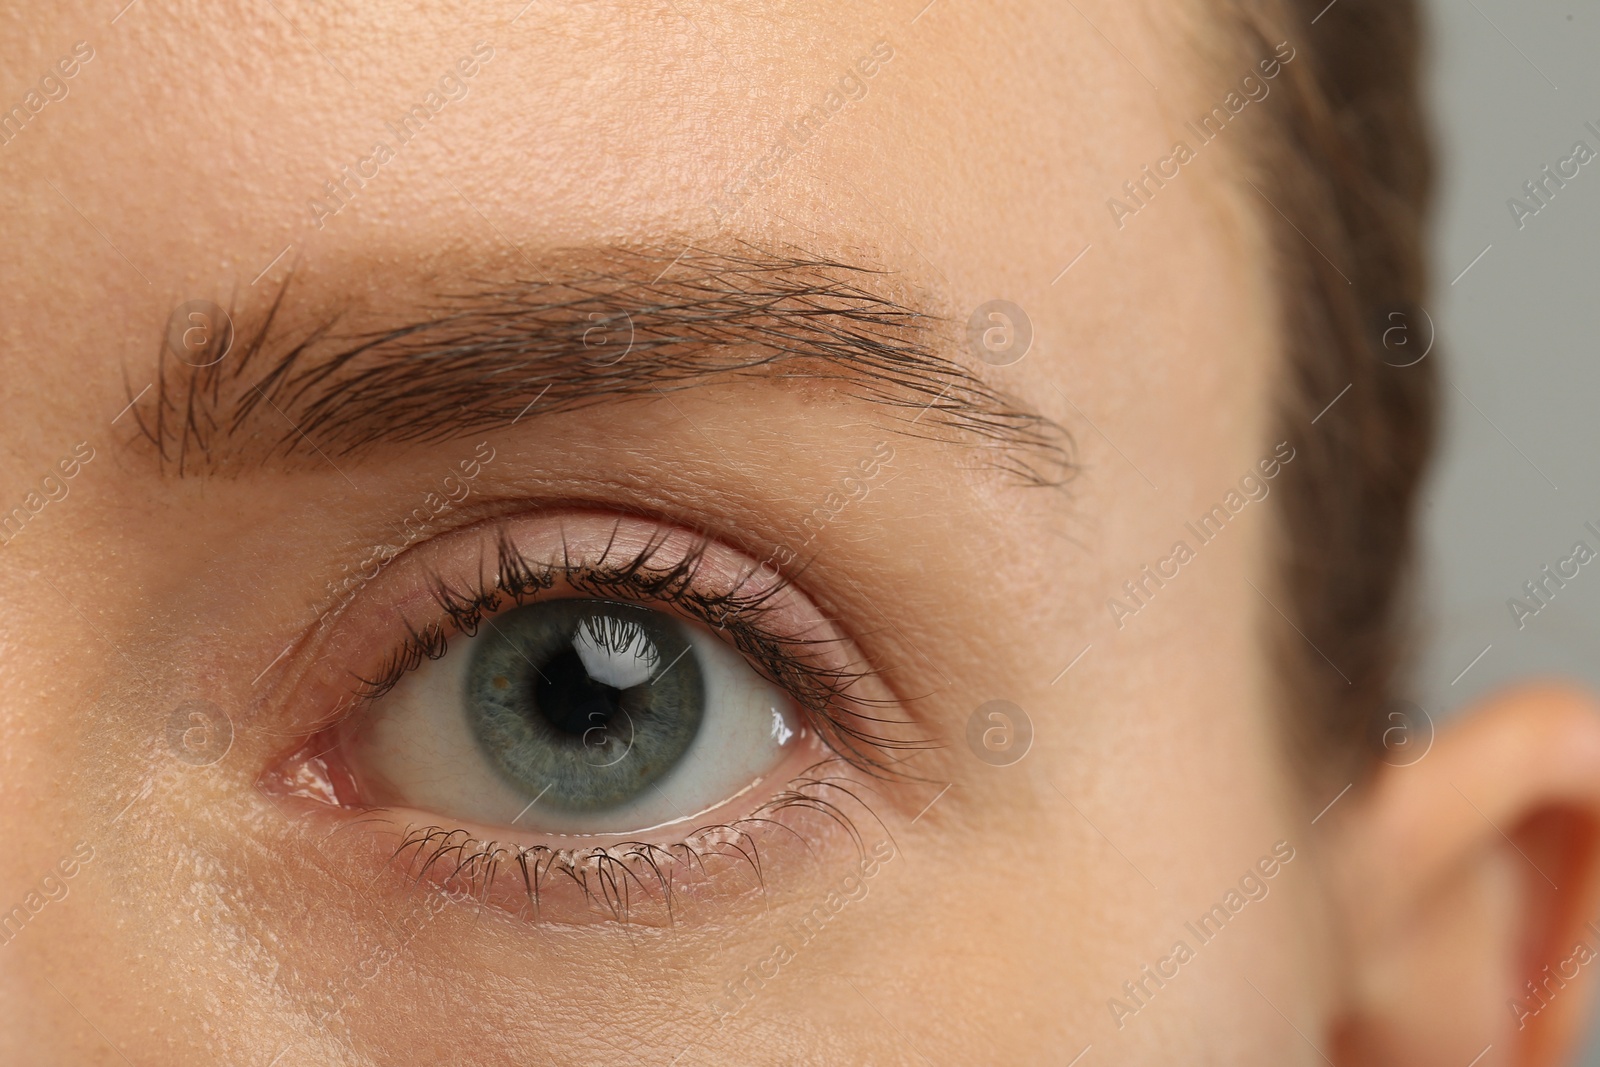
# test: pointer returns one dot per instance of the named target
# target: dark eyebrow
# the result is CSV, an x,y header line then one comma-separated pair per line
x,y
618,324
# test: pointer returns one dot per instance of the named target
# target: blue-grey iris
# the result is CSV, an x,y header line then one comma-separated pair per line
x,y
584,704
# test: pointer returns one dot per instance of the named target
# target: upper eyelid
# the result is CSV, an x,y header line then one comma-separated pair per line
x,y
788,659
467,610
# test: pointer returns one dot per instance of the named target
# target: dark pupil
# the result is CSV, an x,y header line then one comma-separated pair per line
x,y
583,704
572,702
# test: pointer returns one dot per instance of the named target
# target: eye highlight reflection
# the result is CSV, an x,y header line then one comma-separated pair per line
x,y
576,717
590,702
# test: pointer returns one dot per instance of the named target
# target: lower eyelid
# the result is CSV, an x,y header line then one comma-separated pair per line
x,y
818,818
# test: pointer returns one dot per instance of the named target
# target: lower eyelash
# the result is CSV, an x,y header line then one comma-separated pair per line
x,y
820,690
608,877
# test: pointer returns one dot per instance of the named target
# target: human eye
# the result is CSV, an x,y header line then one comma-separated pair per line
x,y
575,716
587,696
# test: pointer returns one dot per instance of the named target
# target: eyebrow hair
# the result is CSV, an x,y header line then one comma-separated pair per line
x,y
619,324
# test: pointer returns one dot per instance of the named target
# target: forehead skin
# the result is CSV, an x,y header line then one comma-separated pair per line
x,y
976,166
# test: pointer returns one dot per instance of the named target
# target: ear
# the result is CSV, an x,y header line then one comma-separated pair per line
x,y
1467,885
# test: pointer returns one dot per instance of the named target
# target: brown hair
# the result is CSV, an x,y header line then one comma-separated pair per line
x,y
1345,156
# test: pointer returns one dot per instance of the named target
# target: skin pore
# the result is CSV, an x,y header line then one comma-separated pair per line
x,y
977,911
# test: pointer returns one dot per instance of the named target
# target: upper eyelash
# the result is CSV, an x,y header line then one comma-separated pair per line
x,y
791,663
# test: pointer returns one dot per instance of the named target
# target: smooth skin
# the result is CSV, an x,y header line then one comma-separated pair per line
x,y
211,920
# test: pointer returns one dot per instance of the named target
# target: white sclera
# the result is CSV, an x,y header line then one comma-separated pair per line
x,y
416,747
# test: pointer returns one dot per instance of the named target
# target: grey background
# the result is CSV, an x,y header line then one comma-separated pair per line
x,y
1512,83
